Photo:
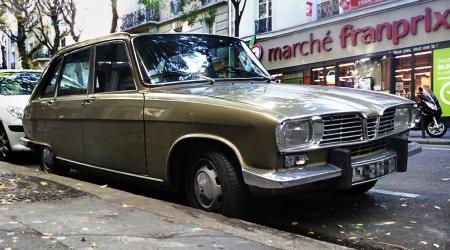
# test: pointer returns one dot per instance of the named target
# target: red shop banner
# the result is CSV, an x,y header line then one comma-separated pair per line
x,y
356,4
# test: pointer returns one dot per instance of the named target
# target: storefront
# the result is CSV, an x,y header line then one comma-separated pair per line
x,y
394,52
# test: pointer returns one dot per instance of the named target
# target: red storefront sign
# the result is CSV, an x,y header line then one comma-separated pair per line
x,y
356,4
354,36
309,7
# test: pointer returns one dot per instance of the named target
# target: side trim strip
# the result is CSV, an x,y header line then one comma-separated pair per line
x,y
110,170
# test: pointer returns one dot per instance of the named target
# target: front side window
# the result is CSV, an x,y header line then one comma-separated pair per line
x,y
50,80
18,83
173,58
112,68
75,74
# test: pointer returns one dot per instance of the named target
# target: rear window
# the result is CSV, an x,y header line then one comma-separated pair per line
x,y
18,83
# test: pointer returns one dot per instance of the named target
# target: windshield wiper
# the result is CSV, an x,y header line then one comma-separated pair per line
x,y
239,71
211,80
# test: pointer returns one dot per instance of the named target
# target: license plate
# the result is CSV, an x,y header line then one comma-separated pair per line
x,y
373,170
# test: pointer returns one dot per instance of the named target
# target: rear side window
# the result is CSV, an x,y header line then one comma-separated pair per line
x,y
49,83
75,74
112,68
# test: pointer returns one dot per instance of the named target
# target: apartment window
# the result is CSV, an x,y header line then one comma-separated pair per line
x,y
264,22
209,28
175,7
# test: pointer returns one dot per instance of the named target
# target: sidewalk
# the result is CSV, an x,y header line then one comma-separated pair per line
x,y
42,211
416,136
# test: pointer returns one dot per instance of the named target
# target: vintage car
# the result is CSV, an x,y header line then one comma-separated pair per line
x,y
15,89
200,114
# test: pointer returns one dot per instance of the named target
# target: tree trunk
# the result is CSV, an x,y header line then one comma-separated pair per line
x,y
237,22
21,46
115,16
57,38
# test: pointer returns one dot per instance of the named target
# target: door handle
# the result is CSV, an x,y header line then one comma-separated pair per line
x,y
88,101
50,101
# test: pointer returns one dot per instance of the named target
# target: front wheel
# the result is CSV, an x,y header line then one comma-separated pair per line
x,y
5,147
436,130
49,163
214,185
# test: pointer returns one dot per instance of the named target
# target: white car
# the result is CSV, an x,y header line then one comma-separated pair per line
x,y
15,89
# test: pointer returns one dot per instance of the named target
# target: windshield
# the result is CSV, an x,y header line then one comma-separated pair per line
x,y
174,58
18,83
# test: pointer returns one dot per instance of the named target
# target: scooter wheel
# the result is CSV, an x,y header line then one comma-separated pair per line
x,y
436,131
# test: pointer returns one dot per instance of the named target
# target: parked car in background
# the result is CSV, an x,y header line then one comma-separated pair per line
x,y
199,113
15,89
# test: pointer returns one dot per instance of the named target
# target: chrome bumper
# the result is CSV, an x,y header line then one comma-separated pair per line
x,y
287,178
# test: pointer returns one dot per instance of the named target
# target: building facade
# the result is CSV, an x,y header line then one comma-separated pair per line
x,y
212,17
9,57
389,46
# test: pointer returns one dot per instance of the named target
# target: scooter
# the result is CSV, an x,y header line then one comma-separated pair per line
x,y
430,111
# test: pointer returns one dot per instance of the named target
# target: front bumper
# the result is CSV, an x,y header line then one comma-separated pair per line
x,y
14,131
341,168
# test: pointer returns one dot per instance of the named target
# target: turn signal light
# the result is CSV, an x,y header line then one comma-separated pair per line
x,y
295,160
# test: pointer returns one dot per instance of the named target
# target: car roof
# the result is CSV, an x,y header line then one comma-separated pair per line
x,y
122,35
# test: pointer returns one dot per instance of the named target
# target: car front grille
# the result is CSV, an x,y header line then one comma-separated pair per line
x,y
368,147
386,124
342,128
352,127
371,127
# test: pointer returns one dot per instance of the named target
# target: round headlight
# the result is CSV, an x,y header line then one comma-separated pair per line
x,y
402,118
293,134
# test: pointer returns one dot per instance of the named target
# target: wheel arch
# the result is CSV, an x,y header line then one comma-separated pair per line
x,y
187,142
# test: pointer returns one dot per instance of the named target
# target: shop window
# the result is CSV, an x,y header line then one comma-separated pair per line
x,y
330,76
318,76
422,70
291,78
325,76
365,73
403,70
347,74
306,77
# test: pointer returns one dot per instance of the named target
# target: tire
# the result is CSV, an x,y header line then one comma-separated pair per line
x,y
436,133
214,185
361,188
49,164
5,147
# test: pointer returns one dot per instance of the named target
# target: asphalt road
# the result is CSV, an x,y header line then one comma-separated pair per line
x,y
404,211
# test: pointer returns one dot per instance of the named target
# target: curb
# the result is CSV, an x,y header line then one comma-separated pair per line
x,y
436,141
270,237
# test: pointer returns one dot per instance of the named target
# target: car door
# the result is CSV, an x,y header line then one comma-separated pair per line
x,y
113,126
65,127
38,111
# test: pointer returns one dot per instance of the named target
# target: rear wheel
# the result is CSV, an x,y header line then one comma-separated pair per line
x,y
49,163
214,185
5,147
436,130
361,188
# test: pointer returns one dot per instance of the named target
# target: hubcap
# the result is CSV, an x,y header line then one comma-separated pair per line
x,y
4,145
208,189
436,129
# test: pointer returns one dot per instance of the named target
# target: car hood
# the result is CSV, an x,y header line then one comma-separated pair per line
x,y
298,100
19,101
